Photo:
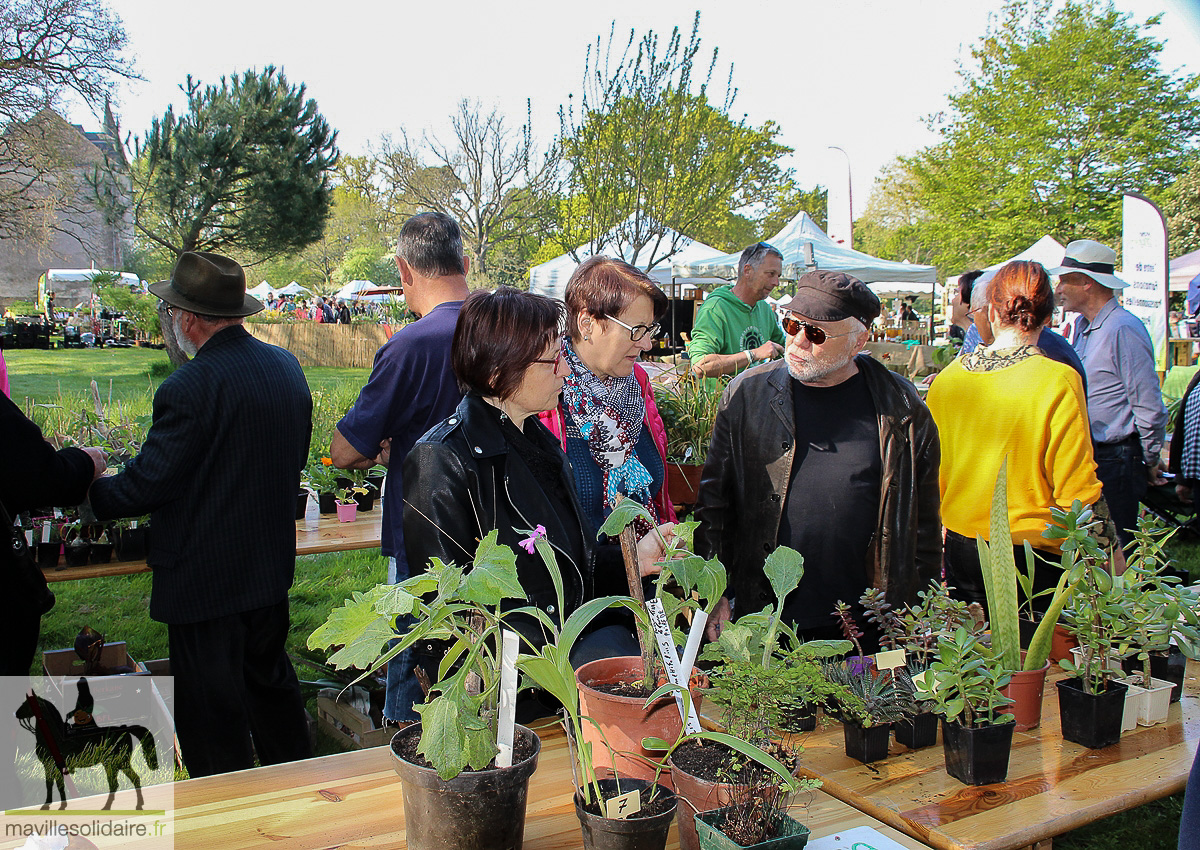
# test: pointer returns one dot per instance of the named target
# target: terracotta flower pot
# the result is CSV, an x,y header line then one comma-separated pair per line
x,y
1025,690
683,482
696,795
622,720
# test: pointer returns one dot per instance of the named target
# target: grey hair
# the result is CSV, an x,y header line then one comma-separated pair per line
x,y
431,243
979,290
752,255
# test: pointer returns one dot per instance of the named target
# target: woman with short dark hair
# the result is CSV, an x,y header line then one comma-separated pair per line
x,y
1009,402
493,466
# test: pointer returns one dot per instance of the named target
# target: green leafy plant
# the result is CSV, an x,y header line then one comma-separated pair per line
x,y
688,405
966,680
1095,612
874,699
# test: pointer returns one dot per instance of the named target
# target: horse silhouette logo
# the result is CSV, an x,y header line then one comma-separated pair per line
x,y
78,742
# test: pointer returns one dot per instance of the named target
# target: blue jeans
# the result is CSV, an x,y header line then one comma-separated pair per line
x,y
403,689
1122,473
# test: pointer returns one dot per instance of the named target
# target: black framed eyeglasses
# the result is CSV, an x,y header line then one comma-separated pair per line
x,y
638,332
553,361
816,335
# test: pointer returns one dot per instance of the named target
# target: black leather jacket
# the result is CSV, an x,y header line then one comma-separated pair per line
x,y
461,480
749,466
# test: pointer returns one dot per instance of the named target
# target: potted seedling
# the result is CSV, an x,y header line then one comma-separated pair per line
x,y
688,405
322,476
613,691
763,675
101,549
1000,578
1091,703
1159,628
458,793
76,548
49,542
917,630
130,536
859,664
966,679
347,504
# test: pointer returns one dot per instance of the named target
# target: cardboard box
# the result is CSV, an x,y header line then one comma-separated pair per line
x,y
68,665
347,724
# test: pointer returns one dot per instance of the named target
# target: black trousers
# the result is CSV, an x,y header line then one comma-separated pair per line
x,y
234,681
1122,472
964,573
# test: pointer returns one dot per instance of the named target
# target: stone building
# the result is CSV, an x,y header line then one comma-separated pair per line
x,y
66,199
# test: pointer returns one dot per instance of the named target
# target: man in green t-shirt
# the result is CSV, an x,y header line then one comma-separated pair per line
x,y
735,327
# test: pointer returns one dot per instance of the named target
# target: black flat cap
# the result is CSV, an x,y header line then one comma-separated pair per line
x,y
828,296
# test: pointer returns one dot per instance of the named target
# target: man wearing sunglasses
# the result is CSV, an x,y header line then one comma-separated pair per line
x,y
827,452
735,327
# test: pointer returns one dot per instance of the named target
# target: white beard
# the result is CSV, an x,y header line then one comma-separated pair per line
x,y
185,345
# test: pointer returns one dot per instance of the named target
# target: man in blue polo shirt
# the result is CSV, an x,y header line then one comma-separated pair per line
x,y
411,388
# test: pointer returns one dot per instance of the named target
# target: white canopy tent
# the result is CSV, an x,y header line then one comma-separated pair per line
x,y
1048,251
806,246
1183,269
263,290
550,278
353,291
294,288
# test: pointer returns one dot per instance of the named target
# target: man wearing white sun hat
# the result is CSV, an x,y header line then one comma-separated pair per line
x,y
1125,406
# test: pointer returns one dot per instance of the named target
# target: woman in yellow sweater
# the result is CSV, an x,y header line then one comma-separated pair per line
x,y
1010,401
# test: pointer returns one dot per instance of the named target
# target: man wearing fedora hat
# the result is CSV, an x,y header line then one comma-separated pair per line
x,y
1125,405
218,474
827,452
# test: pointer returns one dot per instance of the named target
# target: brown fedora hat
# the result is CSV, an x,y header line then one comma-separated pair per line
x,y
208,284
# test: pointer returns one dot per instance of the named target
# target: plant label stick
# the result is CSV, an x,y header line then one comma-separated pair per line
x,y
508,699
666,648
621,807
889,660
46,531
699,621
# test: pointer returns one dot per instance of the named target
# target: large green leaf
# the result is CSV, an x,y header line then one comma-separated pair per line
x,y
453,737
626,511
493,576
784,568
1000,575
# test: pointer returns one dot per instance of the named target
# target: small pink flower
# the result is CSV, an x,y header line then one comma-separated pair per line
x,y
530,542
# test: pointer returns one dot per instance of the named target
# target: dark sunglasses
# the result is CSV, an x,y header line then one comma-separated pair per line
x,y
816,335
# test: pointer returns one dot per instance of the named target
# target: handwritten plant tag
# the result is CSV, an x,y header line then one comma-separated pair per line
x,y
619,808
889,660
46,531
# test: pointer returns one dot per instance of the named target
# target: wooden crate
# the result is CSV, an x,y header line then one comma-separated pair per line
x,y
66,664
347,724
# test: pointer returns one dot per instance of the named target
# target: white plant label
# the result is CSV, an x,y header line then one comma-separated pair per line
x,y
29,537
619,808
57,513
508,699
46,531
889,660
666,648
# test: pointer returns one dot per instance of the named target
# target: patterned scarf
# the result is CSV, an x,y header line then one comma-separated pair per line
x,y
607,413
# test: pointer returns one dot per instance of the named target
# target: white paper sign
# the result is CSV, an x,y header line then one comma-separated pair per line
x,y
858,838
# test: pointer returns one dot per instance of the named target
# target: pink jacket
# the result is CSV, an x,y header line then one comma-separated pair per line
x,y
553,419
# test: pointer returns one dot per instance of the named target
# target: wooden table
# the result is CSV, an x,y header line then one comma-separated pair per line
x,y
312,538
1053,785
353,800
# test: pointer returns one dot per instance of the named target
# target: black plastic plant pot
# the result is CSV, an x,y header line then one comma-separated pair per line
x,y
131,544
917,732
327,503
867,743
301,504
366,501
476,810
801,718
977,756
634,833
101,553
1170,667
76,553
789,833
1093,720
47,555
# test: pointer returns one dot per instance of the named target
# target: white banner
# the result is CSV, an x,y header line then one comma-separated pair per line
x,y
1145,269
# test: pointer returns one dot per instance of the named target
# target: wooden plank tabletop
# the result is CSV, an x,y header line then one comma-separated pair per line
x,y
353,800
1053,785
312,538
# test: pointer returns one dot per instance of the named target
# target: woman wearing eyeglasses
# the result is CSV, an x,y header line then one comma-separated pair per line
x,y
1008,402
606,419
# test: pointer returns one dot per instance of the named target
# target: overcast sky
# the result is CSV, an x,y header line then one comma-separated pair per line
x,y
859,74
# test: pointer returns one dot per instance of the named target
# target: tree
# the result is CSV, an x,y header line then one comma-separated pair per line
x,y
1062,112
645,152
1182,209
50,50
490,179
894,224
246,168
